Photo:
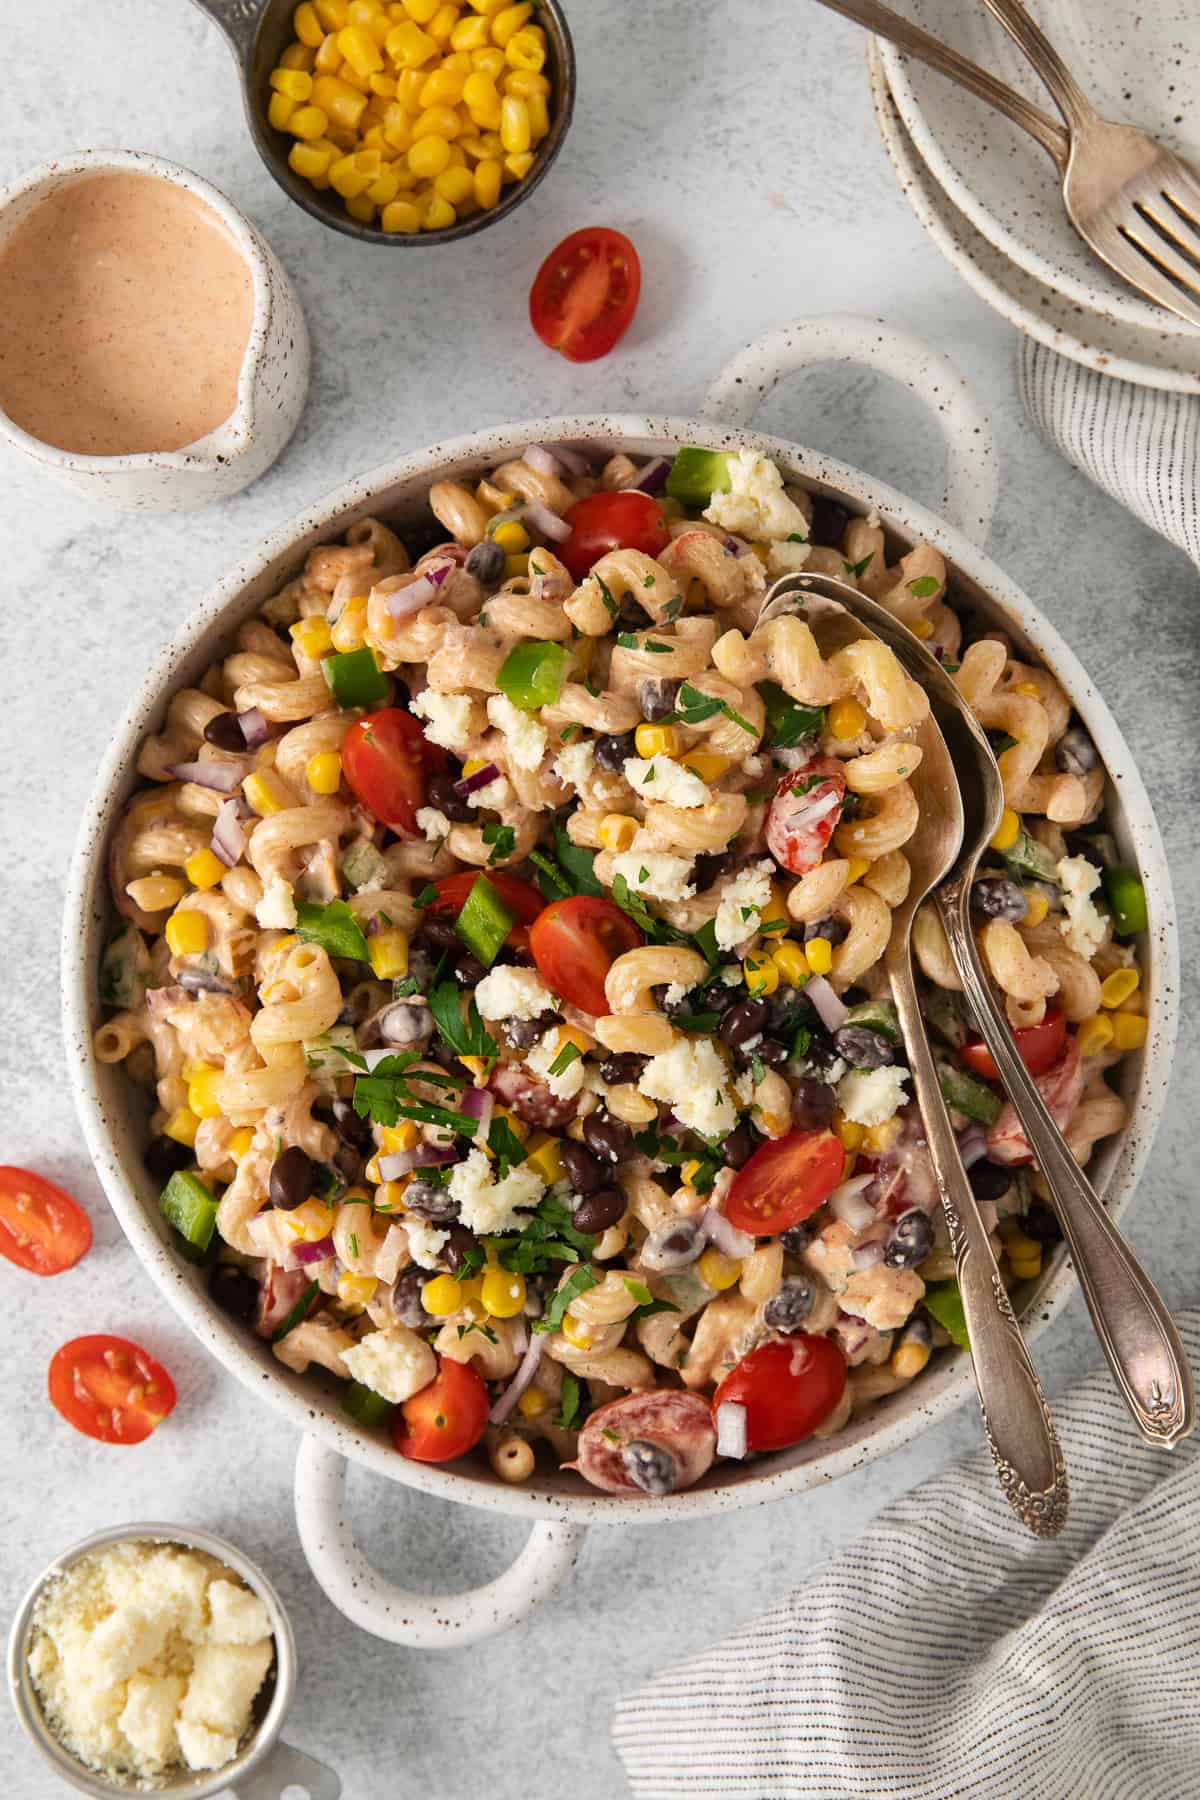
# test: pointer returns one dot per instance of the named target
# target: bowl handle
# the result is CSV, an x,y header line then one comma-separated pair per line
x,y
971,473
285,1770
424,1621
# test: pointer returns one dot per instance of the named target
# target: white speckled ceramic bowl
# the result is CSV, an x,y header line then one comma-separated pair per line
x,y
114,1118
272,385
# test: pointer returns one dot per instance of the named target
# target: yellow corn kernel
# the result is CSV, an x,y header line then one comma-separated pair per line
x,y
361,50
881,1138
345,108
309,122
384,190
193,1066
791,964
1036,907
576,1332
347,179
509,20
718,1270
328,59
1006,831
240,1142
1116,988
307,26
516,565
539,116
441,1296
409,83
488,8
203,869
525,50
371,1172
922,628
181,1126
546,1160
574,1034
429,157
458,187
437,122
526,83
762,977
298,56
312,160
294,83
849,1133
515,133
442,87
704,764
858,868
280,109
909,1358
442,24
401,216
1030,689
409,47
384,86
469,34
399,1137
1129,1030
356,1290
420,10
1095,1034
459,62
187,933
312,636
656,740
333,14
617,832
511,537
311,1221
263,794
349,629
488,177
388,951
324,772
362,208
503,1294
155,893
201,1094
532,1402
819,955
490,60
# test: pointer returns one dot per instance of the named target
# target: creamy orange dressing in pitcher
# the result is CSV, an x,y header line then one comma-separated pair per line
x,y
125,311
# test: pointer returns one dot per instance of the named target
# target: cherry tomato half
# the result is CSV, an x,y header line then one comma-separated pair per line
x,y
586,292
445,1419
110,1389
576,942
802,816
387,759
41,1228
604,522
787,1388
784,1181
1039,1045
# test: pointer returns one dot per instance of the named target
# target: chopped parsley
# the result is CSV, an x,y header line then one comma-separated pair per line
x,y
657,930
577,1282
426,897
386,1096
788,723
694,707
354,1243
859,568
505,1146
402,989
577,863
502,838
548,1237
673,607
606,596
465,1038
613,1437
569,1403
551,880
483,1330
567,1055
701,1022
568,732
334,927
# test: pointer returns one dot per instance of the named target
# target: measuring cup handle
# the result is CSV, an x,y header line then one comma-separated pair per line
x,y
238,19
972,481
286,1767
424,1621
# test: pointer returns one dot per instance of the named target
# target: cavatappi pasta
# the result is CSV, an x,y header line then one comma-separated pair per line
x,y
500,939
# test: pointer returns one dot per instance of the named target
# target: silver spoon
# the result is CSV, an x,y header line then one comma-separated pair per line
x,y
1020,1431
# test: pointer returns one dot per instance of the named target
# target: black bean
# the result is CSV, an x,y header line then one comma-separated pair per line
x,y
743,1022
829,522
624,1067
830,928
486,563
439,792
612,752
996,897
795,1240
522,1034
649,1466
632,615
608,1138
468,970
438,934
1040,1223
771,1052
583,1171
812,1104
405,1298
737,1148
291,1179
657,698
675,1248
1075,753
710,867
234,1291
988,1180
454,1251
163,1157
406,1022
863,1048
787,1310
429,1202
347,1163
911,1240
225,731
596,1212
352,1129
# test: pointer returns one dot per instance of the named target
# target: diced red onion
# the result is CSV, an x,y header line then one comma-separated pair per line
x,y
731,1430
547,522
526,1370
829,1009
848,1204
421,1156
730,546
867,1255
306,1253
207,772
470,784
389,1254
972,1145
421,591
518,1334
651,478
256,727
725,1235
229,834
541,459
574,461
477,1103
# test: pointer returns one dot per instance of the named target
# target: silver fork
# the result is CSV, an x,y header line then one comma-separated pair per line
x,y
1133,202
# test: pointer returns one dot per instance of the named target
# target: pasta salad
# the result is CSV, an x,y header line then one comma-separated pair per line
x,y
500,945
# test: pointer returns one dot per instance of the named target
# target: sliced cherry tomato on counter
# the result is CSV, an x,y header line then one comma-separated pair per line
x,y
1040,1047
110,1389
603,522
575,943
784,1181
445,1419
387,759
787,1388
41,1228
802,816
586,292
523,901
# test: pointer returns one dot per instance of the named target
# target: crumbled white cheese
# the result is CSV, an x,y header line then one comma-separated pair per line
x,y
871,1096
495,795
433,823
1084,927
424,1241
873,520
691,1077
526,739
740,912
564,1084
395,1363
665,782
236,1616
675,994
448,718
574,764
787,557
655,874
486,1206
509,993
277,909
755,505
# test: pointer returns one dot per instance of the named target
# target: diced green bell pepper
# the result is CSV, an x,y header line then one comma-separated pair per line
x,y
124,968
190,1209
966,1095
334,927
335,1052
484,922
696,475
363,863
365,1405
532,675
355,678
1127,897
1028,857
943,1302
876,1015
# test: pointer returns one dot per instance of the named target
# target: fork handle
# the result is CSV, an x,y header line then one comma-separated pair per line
x,y
874,16
1045,61
1020,1431
1135,1329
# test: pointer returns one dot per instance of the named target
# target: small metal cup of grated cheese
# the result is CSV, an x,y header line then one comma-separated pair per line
x,y
159,1659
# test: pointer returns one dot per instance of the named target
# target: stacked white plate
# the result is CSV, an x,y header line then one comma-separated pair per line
x,y
989,196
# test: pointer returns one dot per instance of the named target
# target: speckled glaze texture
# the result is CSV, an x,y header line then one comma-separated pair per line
x,y
1154,358
1136,62
272,385
111,1117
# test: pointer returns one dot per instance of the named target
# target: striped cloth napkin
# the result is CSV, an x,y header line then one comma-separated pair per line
x,y
947,1653
1141,445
